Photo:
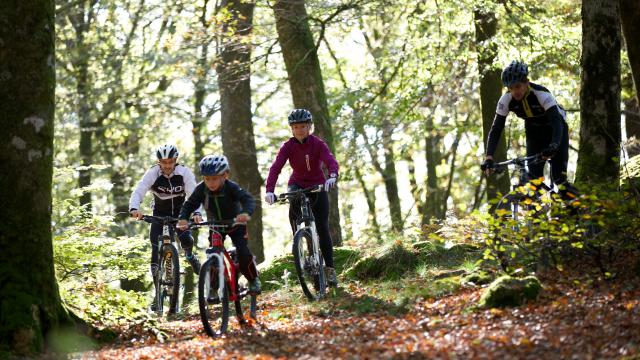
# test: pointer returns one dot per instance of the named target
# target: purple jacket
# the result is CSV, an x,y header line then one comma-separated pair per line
x,y
306,159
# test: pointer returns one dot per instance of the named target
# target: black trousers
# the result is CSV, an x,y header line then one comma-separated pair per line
x,y
320,207
538,138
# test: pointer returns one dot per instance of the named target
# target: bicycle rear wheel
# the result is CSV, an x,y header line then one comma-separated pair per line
x,y
213,298
168,280
309,266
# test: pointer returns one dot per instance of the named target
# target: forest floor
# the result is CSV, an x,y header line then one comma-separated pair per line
x,y
574,318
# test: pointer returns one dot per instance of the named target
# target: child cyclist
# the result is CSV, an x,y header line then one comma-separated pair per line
x,y
170,183
306,154
223,199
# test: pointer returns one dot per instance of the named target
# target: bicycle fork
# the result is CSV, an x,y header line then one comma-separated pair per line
x,y
220,261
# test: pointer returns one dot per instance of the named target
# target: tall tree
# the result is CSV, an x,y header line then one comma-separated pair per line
x,y
306,83
200,82
629,15
30,303
234,81
486,25
600,93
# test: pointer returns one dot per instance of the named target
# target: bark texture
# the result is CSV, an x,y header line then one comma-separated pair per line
x,y
30,304
306,83
234,81
486,25
598,157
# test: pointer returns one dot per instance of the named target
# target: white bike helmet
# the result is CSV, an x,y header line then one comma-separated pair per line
x,y
167,151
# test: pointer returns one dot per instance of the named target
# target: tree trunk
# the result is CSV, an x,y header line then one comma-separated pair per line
x,y
433,157
305,81
490,91
370,196
234,81
416,192
31,305
81,21
629,15
199,118
598,156
390,180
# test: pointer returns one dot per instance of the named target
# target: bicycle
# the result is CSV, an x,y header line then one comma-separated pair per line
x,y
167,277
524,196
307,256
216,288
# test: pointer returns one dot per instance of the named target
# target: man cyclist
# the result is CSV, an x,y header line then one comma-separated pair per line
x,y
546,128
306,154
170,183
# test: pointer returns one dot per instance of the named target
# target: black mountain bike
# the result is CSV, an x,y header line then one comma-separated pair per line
x,y
306,245
167,277
218,282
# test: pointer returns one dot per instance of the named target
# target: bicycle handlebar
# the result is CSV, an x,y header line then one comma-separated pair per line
x,y
518,161
286,196
159,219
217,224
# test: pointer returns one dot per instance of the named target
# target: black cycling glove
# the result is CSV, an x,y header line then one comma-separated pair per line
x,y
487,164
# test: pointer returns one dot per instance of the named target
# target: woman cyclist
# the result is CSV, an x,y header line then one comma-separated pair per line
x,y
307,154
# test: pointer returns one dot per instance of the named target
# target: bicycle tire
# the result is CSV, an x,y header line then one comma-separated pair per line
x,y
168,280
309,271
214,316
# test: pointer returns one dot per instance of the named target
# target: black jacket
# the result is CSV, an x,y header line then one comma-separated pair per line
x,y
224,204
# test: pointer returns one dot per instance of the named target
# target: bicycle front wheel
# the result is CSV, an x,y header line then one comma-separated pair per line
x,y
309,266
213,298
168,280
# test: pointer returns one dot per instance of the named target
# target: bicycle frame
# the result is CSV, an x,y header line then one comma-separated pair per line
x,y
217,249
306,216
309,262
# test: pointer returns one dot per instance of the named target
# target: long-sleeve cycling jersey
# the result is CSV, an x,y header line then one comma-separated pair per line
x,y
224,204
306,159
169,192
538,108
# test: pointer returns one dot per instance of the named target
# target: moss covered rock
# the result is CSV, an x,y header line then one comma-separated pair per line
x,y
509,291
273,276
477,278
390,263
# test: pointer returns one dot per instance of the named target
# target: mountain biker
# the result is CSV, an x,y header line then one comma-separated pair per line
x,y
223,199
546,128
170,183
306,154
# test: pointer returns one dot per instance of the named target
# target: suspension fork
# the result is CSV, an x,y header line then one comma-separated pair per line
x,y
218,256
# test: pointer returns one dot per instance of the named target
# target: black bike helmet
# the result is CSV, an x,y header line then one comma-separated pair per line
x,y
300,116
516,72
212,165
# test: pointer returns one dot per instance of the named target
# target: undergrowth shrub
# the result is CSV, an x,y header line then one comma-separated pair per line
x,y
595,229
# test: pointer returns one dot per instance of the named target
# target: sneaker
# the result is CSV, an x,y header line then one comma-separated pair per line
x,y
330,274
255,287
194,262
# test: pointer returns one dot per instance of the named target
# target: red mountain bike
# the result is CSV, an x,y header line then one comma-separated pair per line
x,y
218,281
